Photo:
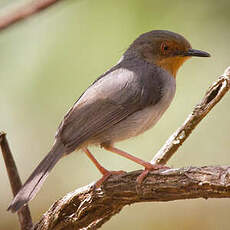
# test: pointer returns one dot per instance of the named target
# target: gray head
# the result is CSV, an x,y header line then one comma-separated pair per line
x,y
164,48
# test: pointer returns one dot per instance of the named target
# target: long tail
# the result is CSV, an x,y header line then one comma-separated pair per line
x,y
37,178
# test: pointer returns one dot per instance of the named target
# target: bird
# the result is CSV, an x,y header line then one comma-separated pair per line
x,y
122,103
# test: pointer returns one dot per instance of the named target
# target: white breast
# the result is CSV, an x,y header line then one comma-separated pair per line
x,y
149,116
142,120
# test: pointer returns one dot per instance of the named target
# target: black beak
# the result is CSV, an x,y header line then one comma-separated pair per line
x,y
197,53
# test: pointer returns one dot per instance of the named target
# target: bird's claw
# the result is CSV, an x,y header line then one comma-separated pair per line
x,y
107,175
148,168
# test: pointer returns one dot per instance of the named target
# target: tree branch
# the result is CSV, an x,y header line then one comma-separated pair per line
x,y
24,216
20,12
89,208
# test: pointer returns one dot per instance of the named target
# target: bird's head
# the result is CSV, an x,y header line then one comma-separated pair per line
x,y
164,48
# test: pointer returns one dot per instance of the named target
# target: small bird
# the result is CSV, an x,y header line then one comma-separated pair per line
x,y
122,103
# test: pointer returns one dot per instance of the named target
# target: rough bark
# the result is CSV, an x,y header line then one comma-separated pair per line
x,y
89,208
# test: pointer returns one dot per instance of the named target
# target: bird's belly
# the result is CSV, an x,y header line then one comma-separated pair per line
x,y
134,125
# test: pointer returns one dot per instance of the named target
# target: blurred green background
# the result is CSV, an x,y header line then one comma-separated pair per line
x,y
47,61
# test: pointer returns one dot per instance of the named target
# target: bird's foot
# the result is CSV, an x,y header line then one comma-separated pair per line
x,y
106,175
149,167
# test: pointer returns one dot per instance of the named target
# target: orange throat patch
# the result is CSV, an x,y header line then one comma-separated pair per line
x,y
172,64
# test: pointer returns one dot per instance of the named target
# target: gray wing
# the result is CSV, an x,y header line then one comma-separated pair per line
x,y
108,101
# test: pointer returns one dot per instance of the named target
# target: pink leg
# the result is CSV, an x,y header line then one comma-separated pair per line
x,y
102,170
148,166
105,173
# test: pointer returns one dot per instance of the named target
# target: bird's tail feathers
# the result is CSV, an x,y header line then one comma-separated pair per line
x,y
37,178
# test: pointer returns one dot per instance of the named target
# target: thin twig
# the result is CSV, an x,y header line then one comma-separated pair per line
x,y
23,11
211,98
24,216
89,208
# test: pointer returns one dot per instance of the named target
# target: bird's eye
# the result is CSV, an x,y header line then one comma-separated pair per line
x,y
164,47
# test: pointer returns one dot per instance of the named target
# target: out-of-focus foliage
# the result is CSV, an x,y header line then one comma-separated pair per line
x,y
47,61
